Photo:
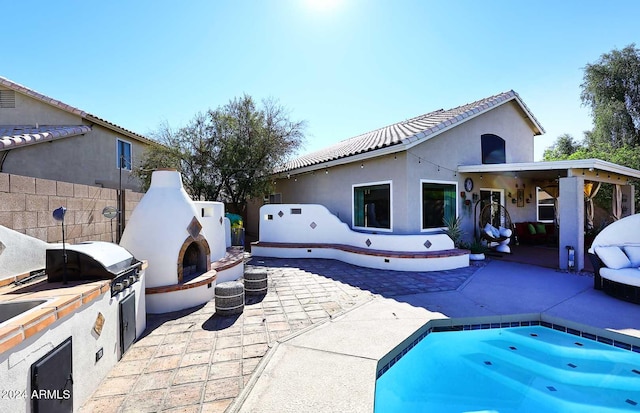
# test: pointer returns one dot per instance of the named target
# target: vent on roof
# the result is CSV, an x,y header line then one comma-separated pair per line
x,y
7,99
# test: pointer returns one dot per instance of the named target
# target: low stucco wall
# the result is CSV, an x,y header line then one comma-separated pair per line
x,y
310,223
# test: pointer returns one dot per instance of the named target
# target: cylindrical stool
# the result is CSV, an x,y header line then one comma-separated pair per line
x,y
229,298
255,281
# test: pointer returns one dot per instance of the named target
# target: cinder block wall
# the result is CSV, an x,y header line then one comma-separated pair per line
x,y
27,204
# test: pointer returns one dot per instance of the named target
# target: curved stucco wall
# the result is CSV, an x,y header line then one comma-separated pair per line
x,y
309,223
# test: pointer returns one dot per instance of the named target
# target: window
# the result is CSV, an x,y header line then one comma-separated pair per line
x,y
438,203
546,206
492,149
372,205
273,199
123,153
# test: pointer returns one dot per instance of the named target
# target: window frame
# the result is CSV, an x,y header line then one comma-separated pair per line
x,y
126,167
538,204
440,182
353,210
491,139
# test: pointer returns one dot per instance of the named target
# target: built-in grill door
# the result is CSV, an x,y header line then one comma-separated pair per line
x,y
127,322
52,381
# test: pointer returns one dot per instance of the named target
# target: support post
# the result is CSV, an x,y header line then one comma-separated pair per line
x,y
571,202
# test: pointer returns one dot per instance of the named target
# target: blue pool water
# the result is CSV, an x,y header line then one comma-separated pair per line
x,y
521,369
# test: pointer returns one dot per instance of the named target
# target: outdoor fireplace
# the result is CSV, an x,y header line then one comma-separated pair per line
x,y
165,229
193,258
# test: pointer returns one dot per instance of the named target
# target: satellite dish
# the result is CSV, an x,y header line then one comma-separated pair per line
x,y
109,212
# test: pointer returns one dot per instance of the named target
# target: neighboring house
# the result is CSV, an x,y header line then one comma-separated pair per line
x,y
41,137
44,138
406,178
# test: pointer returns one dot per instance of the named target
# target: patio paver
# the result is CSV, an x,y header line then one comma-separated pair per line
x,y
315,308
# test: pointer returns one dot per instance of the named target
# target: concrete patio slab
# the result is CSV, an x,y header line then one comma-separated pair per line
x,y
370,332
285,387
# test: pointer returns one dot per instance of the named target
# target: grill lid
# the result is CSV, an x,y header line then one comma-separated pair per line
x,y
112,256
89,261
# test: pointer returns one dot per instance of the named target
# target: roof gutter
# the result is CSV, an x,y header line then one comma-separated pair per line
x,y
573,165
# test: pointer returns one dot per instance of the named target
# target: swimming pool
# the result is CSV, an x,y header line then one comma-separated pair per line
x,y
520,369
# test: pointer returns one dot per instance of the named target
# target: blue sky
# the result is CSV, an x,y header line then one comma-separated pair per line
x,y
344,66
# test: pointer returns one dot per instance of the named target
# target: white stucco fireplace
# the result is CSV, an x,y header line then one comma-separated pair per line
x,y
180,239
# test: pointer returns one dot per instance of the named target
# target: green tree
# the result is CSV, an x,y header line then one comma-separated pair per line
x,y
611,88
227,154
562,148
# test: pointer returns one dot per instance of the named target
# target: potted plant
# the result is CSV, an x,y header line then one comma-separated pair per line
x,y
477,248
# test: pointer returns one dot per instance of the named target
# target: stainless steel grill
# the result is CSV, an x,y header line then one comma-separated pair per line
x,y
93,260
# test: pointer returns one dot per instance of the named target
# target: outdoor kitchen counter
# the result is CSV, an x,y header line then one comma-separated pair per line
x,y
62,300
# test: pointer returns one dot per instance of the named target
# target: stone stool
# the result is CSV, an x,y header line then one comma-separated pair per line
x,y
255,281
229,297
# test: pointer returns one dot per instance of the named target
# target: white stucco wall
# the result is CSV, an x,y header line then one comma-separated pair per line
x,y
15,364
315,224
211,216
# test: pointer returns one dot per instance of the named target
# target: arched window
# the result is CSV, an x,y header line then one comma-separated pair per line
x,y
492,149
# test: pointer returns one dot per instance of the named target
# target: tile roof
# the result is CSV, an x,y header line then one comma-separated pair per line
x,y
408,131
92,118
18,136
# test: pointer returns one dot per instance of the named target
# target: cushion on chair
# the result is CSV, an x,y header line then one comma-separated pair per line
x,y
505,232
613,257
491,231
541,229
633,252
532,229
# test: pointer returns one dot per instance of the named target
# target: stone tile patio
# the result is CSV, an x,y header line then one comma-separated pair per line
x,y
196,361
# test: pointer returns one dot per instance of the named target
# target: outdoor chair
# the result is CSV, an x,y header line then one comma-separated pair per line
x,y
496,226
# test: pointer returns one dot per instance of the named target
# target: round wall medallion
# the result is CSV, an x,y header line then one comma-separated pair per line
x,y
468,184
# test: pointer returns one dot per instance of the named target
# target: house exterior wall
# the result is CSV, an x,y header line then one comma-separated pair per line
x,y
462,146
88,159
406,170
334,189
29,111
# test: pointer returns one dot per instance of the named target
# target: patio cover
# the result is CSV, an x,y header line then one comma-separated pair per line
x,y
569,178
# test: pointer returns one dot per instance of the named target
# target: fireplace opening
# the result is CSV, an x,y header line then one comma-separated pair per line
x,y
194,259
